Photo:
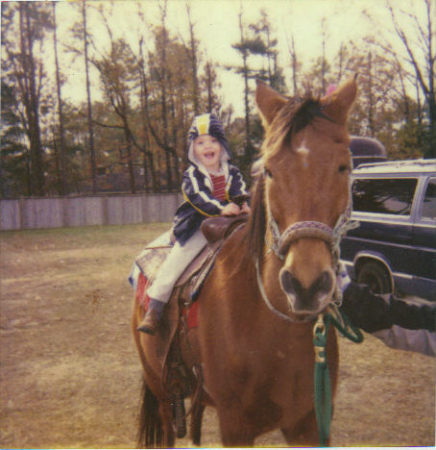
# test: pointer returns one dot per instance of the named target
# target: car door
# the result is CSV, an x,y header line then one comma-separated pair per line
x,y
424,237
383,208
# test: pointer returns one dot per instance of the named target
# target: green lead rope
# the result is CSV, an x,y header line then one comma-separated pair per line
x,y
323,390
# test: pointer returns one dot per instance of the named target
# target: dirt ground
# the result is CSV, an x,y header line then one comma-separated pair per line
x,y
69,372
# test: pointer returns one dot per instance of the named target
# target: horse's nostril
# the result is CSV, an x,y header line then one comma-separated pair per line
x,y
310,298
289,283
323,284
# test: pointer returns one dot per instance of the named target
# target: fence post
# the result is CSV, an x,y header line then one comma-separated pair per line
x,y
104,208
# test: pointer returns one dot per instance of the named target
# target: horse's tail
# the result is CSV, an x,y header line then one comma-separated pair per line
x,y
150,433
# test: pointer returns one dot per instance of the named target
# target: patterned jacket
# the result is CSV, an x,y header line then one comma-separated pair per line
x,y
199,201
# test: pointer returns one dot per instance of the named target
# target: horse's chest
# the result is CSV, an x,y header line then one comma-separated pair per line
x,y
275,374
276,394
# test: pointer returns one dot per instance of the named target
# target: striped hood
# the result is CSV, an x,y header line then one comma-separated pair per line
x,y
208,124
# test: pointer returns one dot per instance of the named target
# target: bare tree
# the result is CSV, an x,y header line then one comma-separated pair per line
x,y
193,55
424,72
25,72
62,149
210,81
89,101
145,149
118,74
242,48
294,65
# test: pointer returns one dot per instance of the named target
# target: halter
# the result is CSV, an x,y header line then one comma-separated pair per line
x,y
280,242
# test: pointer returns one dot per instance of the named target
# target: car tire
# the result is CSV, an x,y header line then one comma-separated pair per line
x,y
375,276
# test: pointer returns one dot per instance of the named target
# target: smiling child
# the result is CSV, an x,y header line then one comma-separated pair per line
x,y
209,185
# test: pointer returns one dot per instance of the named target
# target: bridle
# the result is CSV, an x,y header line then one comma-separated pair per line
x,y
280,242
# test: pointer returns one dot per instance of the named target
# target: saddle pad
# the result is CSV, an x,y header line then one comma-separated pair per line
x,y
150,259
154,255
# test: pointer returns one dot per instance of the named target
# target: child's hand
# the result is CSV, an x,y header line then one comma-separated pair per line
x,y
232,209
245,208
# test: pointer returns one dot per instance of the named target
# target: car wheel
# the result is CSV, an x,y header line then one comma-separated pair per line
x,y
375,276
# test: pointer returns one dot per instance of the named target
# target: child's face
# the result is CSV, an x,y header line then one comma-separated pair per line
x,y
207,150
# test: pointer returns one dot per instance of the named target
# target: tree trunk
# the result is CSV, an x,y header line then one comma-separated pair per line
x,y
88,95
425,76
370,97
58,170
209,83
31,101
163,95
151,165
146,148
132,180
247,150
194,63
62,149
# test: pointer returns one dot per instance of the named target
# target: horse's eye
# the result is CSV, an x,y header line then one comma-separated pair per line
x,y
268,173
344,168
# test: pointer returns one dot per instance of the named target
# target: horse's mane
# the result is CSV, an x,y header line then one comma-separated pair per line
x,y
293,117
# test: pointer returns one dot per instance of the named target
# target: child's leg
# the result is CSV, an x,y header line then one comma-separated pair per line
x,y
175,264
168,274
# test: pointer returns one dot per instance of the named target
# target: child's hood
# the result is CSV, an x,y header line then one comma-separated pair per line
x,y
208,124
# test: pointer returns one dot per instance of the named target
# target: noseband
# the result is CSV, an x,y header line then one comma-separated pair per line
x,y
306,229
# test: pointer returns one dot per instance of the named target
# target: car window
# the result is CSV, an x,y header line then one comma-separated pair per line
x,y
429,203
388,196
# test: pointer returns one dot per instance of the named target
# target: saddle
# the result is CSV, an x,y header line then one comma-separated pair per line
x,y
181,309
215,229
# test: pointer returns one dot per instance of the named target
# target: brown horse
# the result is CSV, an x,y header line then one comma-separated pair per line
x,y
270,281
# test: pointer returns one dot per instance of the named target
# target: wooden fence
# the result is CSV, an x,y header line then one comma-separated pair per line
x,y
55,212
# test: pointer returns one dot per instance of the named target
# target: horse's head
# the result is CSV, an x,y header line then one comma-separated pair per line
x,y
305,190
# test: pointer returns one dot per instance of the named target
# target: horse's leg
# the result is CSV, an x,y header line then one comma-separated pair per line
x,y
196,420
166,415
304,433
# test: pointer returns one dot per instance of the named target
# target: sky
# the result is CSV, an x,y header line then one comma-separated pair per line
x,y
217,28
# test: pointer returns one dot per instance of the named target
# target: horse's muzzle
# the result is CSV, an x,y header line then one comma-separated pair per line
x,y
311,299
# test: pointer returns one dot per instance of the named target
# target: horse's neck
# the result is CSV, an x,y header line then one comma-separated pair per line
x,y
236,255
245,274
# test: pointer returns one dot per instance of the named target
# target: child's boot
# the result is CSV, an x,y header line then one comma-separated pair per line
x,y
151,320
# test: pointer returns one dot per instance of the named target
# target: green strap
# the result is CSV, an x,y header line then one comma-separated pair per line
x,y
323,393
322,385
341,321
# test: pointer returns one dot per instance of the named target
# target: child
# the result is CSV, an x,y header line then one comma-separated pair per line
x,y
208,186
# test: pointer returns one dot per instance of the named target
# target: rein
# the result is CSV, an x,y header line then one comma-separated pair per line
x,y
322,386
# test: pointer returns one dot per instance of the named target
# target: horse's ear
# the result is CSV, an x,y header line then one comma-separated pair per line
x,y
268,102
337,104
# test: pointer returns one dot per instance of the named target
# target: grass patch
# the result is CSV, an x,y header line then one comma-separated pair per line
x,y
70,375
81,237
